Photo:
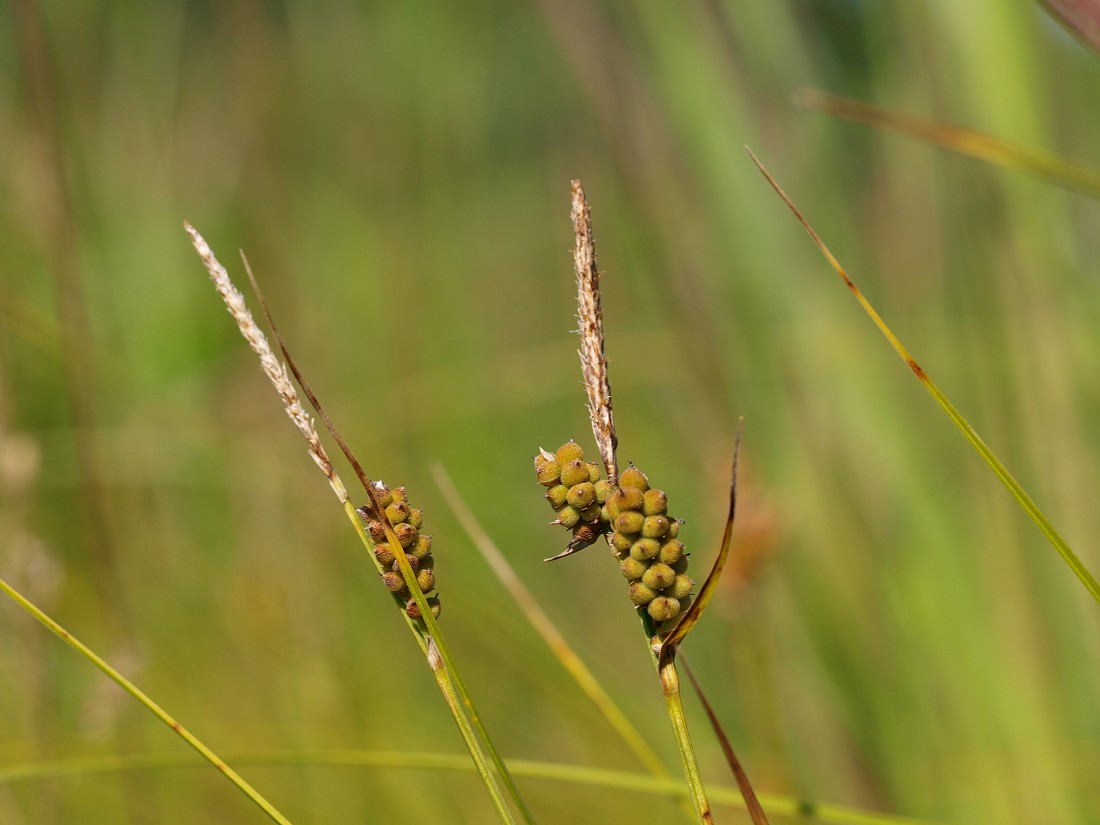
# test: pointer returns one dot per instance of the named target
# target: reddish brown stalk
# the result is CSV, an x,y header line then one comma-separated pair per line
x,y
743,784
1081,17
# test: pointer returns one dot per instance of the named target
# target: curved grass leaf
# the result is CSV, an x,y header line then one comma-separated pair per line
x,y
1070,173
1030,507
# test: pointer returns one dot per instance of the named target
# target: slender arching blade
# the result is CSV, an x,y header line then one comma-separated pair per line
x,y
1018,492
1059,170
691,616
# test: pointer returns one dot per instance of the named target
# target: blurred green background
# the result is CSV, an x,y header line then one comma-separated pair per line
x,y
894,634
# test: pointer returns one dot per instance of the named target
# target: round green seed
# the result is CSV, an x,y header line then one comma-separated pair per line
x,y
574,472
681,587
645,549
663,608
655,502
674,527
632,569
633,477
397,512
581,495
547,470
604,488
621,542
416,518
556,495
671,552
406,534
423,547
568,516
593,471
383,554
591,512
640,594
659,576
654,527
629,521
569,451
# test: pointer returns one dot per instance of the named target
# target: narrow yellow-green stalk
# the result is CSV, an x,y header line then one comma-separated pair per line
x,y
144,699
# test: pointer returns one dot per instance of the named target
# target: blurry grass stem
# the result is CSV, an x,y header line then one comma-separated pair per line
x,y
431,645
152,706
1018,492
1081,17
1069,173
787,806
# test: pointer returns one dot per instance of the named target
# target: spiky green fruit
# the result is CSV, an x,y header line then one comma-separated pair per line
x,y
393,581
633,569
655,502
397,512
629,521
547,469
385,497
568,517
412,609
645,549
406,534
557,495
654,527
633,477
624,498
426,579
671,552
659,576
593,471
416,518
663,608
674,526
621,541
413,563
569,451
591,512
422,549
604,488
383,554
681,587
641,594
574,472
581,495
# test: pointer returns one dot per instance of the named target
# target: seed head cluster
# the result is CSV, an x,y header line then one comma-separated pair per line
x,y
406,522
642,534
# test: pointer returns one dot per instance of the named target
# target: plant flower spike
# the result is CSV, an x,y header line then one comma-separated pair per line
x,y
632,518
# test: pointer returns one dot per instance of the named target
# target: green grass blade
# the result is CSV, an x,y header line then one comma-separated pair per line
x,y
1070,173
1030,507
778,804
153,707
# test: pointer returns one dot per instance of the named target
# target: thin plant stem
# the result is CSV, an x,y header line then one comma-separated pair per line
x,y
1025,501
407,573
787,806
277,373
670,683
136,692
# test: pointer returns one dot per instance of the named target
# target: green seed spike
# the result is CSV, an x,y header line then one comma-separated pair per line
x,y
663,608
568,517
681,587
633,477
645,549
654,502
557,495
632,569
654,527
629,521
569,451
641,594
659,576
574,472
547,469
581,495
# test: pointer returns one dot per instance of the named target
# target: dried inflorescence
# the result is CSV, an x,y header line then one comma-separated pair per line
x,y
634,517
406,523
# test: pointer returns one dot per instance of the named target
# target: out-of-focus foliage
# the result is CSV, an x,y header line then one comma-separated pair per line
x,y
894,632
